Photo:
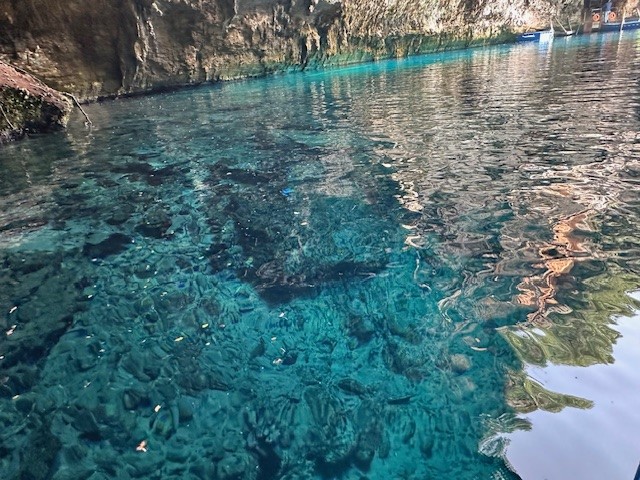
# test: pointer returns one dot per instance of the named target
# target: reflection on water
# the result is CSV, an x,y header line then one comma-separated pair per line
x,y
605,434
327,275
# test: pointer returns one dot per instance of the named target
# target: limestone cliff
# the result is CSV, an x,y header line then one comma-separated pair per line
x,y
112,47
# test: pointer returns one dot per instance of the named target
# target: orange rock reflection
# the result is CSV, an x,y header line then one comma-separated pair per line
x,y
558,258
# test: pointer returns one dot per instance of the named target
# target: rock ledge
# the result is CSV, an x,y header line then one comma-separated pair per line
x,y
28,106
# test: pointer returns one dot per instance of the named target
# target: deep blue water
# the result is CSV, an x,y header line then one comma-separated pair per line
x,y
347,274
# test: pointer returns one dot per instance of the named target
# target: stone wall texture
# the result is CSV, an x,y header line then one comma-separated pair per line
x,y
27,105
103,48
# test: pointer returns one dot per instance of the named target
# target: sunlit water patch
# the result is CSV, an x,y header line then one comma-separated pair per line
x,y
352,274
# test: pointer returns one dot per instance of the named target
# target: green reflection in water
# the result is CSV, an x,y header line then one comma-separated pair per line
x,y
578,338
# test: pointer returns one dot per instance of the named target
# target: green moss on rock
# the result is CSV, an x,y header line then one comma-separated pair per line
x,y
28,106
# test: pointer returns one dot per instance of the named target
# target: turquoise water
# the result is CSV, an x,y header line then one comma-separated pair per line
x,y
330,275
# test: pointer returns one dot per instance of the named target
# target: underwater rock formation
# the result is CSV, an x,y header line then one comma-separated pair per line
x,y
99,49
28,106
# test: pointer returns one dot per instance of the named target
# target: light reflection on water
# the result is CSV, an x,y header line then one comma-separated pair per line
x,y
364,263
558,137
597,443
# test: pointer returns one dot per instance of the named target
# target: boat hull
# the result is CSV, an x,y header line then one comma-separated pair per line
x,y
540,36
617,26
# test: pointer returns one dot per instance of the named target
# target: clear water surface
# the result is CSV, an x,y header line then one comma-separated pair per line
x,y
410,269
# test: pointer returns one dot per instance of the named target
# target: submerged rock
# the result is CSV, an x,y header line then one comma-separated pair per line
x,y
38,458
185,409
237,467
132,398
143,466
283,260
460,363
155,223
352,386
331,437
85,422
42,288
361,328
112,245
163,424
120,214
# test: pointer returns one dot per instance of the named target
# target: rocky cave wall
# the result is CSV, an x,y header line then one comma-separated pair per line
x,y
103,48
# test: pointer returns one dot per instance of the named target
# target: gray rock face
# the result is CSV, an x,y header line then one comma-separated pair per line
x,y
97,49
27,105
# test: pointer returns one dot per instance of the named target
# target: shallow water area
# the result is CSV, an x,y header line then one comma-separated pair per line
x,y
345,274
